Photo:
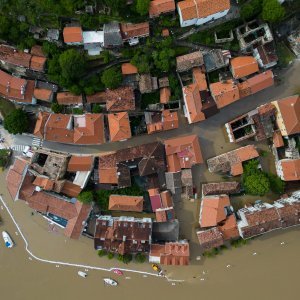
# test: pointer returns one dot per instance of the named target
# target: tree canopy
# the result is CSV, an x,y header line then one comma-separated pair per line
x,y
4,157
112,78
142,7
86,197
257,184
16,122
272,11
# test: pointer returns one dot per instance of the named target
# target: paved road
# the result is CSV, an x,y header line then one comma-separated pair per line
x,y
210,131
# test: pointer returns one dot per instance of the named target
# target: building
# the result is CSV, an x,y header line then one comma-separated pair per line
x,y
192,103
183,153
288,169
175,254
123,235
119,126
217,188
48,186
243,66
16,89
199,78
198,12
44,91
67,98
116,169
188,61
164,95
266,55
147,83
73,35
159,7
93,42
232,162
210,238
126,203
161,121
131,33
260,82
112,35
120,99
165,214
85,129
129,69
216,59
224,92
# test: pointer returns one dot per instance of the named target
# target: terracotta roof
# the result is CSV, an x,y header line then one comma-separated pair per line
x,y
165,214
15,88
183,152
42,94
290,169
189,61
37,63
243,66
166,199
200,79
44,183
169,119
67,98
40,124
290,111
129,69
15,57
99,97
120,99
176,254
244,89
229,228
217,188
126,203
158,7
211,238
70,189
80,163
72,35
165,94
165,32
213,210
119,126
261,81
129,30
277,139
193,103
191,9
15,177
224,93
37,50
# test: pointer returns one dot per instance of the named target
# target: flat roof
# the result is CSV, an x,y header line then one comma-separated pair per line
x,y
93,37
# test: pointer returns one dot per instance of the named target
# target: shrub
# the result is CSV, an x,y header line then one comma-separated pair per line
x,y
140,258
110,255
56,108
97,109
102,252
276,184
16,122
126,258
86,197
111,78
257,184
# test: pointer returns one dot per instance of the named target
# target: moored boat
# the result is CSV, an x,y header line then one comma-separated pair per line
x,y
110,281
82,274
7,239
118,272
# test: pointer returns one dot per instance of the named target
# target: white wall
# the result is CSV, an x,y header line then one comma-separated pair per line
x,y
212,17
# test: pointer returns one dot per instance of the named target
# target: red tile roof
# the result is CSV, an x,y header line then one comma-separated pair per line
x,y
165,94
183,152
129,30
119,126
188,61
80,163
243,66
70,189
37,63
228,228
213,210
99,97
42,94
200,79
44,183
120,99
39,129
191,9
210,238
261,81
129,69
166,199
224,93
165,214
37,50
158,7
290,111
277,139
72,35
290,169
193,103
126,203
67,98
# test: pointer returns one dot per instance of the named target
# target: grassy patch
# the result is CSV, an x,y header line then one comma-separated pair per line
x,y
285,55
6,107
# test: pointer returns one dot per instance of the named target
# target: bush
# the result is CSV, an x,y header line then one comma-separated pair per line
x,y
97,109
86,197
102,252
4,157
126,258
276,184
140,258
257,184
16,122
238,243
110,255
56,108
272,11
112,78
77,111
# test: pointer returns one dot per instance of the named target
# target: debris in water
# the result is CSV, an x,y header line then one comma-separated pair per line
x,y
254,253
145,276
29,258
127,277
173,283
57,266
198,258
228,266
202,279
203,272
282,243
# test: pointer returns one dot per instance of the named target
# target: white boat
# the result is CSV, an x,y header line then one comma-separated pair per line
x,y
7,239
110,281
82,274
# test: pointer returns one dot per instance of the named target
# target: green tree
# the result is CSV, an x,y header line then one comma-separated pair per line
x,y
142,7
97,109
276,184
56,108
4,157
110,255
126,258
272,11
106,56
142,62
16,122
86,197
251,167
140,258
111,78
72,66
102,252
257,184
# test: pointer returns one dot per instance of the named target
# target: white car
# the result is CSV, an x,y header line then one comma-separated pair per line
x,y
27,151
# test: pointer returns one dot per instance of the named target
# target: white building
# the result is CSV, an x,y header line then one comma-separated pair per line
x,y
198,12
93,41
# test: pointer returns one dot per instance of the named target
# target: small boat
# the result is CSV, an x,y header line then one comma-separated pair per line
x,y
118,272
82,274
156,268
110,281
7,239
